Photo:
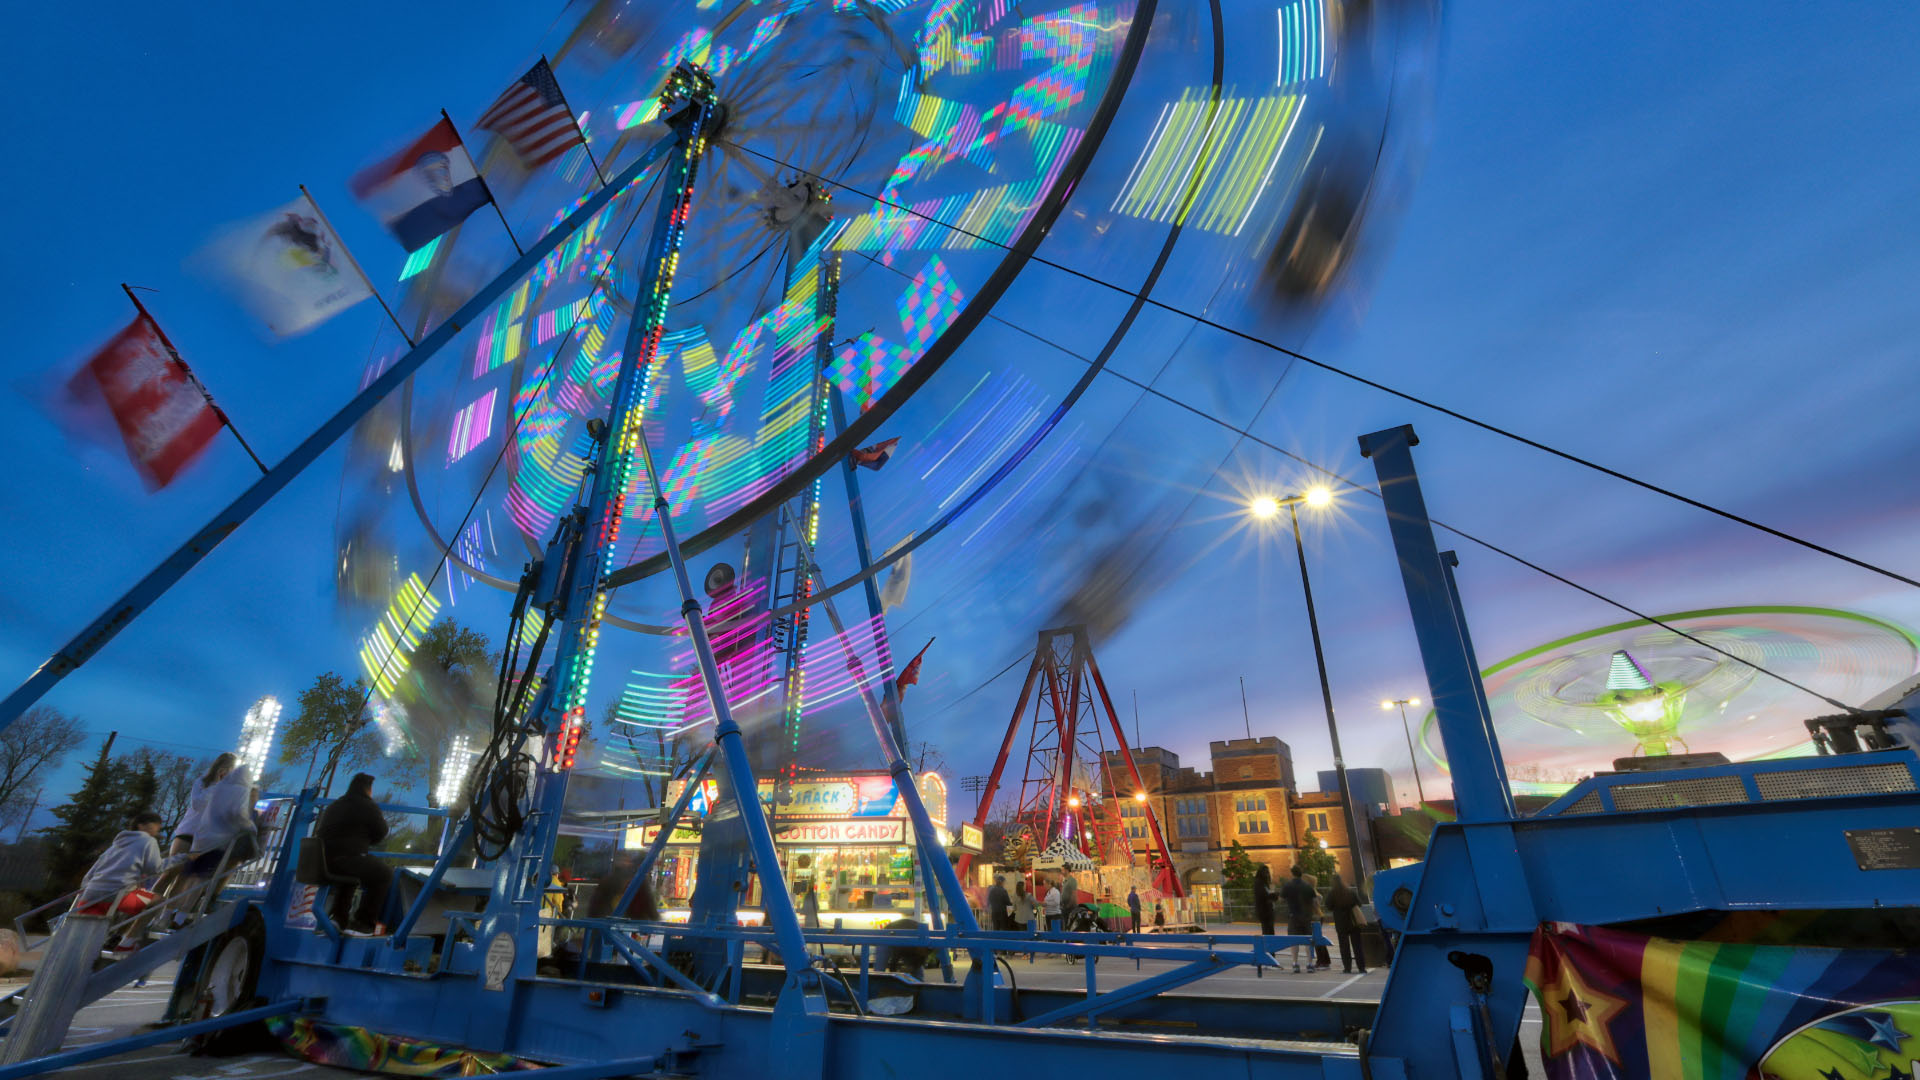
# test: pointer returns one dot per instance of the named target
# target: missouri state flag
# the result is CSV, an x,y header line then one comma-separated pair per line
x,y
424,190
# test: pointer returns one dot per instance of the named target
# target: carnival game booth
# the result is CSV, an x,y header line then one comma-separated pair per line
x,y
843,836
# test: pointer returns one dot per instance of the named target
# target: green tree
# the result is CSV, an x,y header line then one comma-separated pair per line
x,y
1316,860
137,785
333,729
1237,895
85,824
449,694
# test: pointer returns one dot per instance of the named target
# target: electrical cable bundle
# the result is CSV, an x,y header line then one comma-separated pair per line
x,y
503,775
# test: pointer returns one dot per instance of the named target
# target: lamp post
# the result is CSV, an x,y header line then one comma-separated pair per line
x,y
1412,757
1266,507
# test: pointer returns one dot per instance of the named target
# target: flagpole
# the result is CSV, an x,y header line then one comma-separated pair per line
x,y
355,263
483,183
577,125
225,420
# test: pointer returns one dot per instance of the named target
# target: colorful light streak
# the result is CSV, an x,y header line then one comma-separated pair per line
x,y
1218,161
866,367
1303,41
386,653
472,425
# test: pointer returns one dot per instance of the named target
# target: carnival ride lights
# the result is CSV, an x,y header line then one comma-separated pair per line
x,y
1562,708
257,731
453,772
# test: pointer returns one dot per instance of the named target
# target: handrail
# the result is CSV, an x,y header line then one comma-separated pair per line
x,y
1259,948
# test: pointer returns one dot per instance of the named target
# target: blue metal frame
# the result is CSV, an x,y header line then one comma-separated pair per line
x,y
111,1047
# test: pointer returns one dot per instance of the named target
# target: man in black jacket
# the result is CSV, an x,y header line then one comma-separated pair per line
x,y
348,829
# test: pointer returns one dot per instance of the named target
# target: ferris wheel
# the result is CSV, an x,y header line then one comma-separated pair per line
x,y
877,188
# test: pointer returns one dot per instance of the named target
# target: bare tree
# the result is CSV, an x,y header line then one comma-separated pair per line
x,y
31,746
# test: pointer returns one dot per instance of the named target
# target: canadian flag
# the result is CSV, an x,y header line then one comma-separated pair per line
x,y
163,417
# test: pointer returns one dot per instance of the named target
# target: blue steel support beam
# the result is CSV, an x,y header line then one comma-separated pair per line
x,y
1479,776
781,916
429,886
895,717
163,577
695,777
145,1039
1132,992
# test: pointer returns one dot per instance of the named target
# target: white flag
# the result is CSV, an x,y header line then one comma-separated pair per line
x,y
894,592
288,267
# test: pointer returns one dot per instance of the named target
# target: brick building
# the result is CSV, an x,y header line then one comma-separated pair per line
x,y
1248,795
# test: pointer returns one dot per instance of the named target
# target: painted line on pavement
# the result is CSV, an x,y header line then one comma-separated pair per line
x,y
1350,980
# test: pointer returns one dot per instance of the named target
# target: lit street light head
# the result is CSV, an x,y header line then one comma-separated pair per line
x,y
1318,496
1139,796
1386,704
1264,507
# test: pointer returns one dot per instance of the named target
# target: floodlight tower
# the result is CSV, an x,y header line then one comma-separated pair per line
x,y
257,730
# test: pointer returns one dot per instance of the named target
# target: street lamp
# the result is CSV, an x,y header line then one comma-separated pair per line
x,y
1411,756
1266,507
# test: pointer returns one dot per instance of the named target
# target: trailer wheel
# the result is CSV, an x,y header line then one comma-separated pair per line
x,y
233,970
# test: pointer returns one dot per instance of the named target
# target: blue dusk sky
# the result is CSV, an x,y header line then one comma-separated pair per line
x,y
1677,239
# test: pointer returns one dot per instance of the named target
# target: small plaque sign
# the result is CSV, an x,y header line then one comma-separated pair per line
x,y
1885,849
499,962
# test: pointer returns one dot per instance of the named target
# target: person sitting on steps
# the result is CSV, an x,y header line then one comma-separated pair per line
x,y
113,884
348,829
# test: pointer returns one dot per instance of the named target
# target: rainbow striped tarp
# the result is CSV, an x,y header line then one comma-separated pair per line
x,y
369,1051
1618,1004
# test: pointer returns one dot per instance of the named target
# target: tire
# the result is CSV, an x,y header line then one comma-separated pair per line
x,y
231,979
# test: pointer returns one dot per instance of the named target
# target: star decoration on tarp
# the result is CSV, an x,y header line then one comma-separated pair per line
x,y
1885,1033
1578,1013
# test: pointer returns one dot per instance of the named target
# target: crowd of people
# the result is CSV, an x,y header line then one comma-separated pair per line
x,y
1058,904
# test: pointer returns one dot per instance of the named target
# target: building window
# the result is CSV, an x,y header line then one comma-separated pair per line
x,y
1190,817
1137,832
1250,814
1317,822
1132,809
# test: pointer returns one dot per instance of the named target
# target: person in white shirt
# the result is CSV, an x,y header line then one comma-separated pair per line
x,y
1050,905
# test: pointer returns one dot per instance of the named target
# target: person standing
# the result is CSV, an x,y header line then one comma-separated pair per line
x,y
998,905
1024,908
1133,906
1069,894
1050,906
1344,903
809,907
1297,894
348,830
1318,914
1263,895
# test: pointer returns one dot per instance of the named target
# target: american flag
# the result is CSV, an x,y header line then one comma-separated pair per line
x,y
533,117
